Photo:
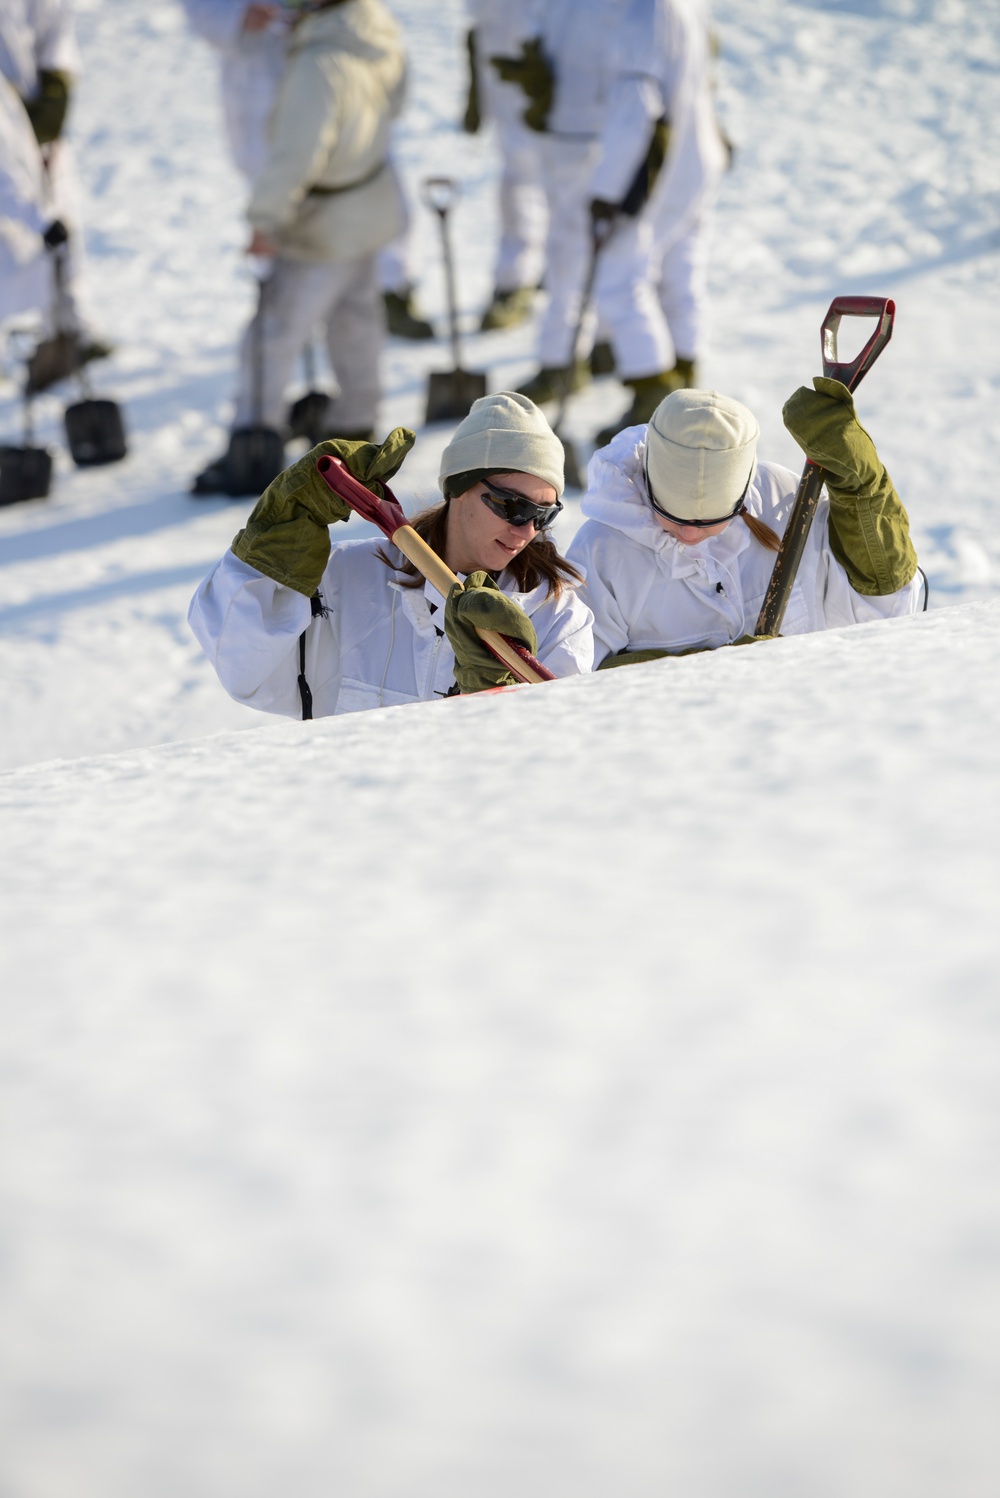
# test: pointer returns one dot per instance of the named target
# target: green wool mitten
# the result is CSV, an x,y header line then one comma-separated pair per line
x,y
473,117
481,603
532,71
47,112
287,535
869,528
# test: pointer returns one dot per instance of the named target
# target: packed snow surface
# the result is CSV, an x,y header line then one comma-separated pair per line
x,y
576,1091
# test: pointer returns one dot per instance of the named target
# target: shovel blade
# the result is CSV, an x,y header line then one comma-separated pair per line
x,y
309,416
451,393
25,473
95,432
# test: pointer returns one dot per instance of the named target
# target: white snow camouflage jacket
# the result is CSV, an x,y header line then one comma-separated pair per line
x,y
378,645
327,190
648,591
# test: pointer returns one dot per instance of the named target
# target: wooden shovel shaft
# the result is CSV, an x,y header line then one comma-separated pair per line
x,y
519,661
793,544
386,514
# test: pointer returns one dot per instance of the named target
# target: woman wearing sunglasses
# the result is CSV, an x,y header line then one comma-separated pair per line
x,y
683,523
296,626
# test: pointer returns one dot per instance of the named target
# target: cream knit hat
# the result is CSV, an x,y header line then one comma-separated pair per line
x,y
505,433
700,450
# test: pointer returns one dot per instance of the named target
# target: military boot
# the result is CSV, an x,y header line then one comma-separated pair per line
x,y
647,392
402,317
508,308
551,380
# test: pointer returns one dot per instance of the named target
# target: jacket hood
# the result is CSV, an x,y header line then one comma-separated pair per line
x,y
616,496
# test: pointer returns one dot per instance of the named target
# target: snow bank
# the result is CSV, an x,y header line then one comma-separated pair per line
x,y
586,1089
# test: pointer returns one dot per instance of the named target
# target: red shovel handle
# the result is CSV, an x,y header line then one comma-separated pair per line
x,y
388,515
851,374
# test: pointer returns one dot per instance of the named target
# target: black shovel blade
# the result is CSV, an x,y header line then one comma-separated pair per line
x,y
451,393
309,416
95,432
25,473
256,456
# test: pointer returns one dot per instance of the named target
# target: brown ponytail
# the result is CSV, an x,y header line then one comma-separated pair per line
x,y
539,561
761,531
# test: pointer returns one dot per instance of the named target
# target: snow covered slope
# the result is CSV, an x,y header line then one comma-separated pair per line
x,y
584,1090
866,162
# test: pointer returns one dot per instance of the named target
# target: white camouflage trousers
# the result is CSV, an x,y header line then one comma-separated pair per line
x,y
342,299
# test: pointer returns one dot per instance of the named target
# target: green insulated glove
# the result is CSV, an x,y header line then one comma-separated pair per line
x,y
481,603
532,71
47,113
473,117
287,536
869,529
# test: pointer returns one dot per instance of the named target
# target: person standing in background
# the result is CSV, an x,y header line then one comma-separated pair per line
x,y
324,204
40,60
251,40
661,159
564,71
497,26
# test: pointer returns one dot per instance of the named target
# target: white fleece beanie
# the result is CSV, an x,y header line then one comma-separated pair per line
x,y
505,433
700,451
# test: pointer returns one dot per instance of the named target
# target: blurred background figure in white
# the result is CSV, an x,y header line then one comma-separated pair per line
x,y
39,59
498,27
662,156
562,65
24,274
326,201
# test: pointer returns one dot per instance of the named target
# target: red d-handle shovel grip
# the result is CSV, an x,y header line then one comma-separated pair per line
x,y
852,373
387,514
793,542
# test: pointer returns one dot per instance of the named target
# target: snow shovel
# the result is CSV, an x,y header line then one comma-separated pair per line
x,y
793,543
256,454
309,416
600,234
450,393
388,516
95,430
25,472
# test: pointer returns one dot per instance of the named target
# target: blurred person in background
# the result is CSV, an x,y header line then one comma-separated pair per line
x,y
40,60
661,159
683,523
251,40
563,68
24,273
355,621
497,26
324,203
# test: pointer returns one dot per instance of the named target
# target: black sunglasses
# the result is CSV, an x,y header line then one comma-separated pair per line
x,y
517,510
699,525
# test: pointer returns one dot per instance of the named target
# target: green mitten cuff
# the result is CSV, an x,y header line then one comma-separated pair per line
x,y
532,71
47,113
287,536
869,528
632,658
480,603
473,117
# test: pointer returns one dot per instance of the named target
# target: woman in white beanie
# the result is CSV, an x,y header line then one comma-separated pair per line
x,y
298,627
683,523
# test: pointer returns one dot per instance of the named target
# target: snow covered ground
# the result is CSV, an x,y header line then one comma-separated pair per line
x,y
581,1090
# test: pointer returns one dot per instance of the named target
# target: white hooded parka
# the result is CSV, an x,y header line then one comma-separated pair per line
x,y
648,591
379,644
